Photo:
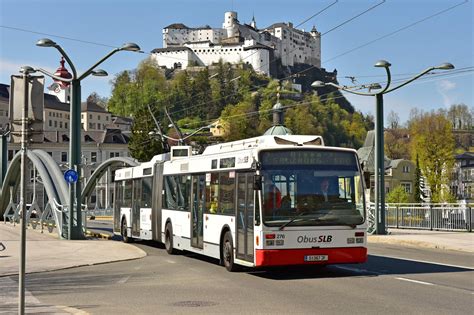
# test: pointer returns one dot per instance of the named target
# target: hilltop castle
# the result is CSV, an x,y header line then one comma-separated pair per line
x,y
184,46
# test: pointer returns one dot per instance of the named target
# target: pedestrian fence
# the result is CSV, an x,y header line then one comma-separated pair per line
x,y
108,212
432,216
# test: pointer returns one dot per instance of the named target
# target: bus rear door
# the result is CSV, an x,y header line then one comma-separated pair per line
x,y
199,202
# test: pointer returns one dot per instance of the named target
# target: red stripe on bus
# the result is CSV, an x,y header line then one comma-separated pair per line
x,y
284,257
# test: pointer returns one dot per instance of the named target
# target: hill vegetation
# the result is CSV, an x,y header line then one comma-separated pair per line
x,y
240,98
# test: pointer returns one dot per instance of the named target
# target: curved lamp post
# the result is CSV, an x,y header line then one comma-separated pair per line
x,y
379,199
75,231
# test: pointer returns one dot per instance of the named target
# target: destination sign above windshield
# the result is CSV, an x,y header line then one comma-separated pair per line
x,y
307,157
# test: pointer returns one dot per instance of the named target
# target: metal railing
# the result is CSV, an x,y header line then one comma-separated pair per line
x,y
101,212
433,216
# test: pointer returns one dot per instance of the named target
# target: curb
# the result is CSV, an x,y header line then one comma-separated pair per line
x,y
413,243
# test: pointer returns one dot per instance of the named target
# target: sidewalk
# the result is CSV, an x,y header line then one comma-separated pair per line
x,y
46,252
461,241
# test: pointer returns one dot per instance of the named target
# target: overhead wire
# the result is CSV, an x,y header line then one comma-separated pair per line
x,y
397,30
316,14
295,74
353,18
421,80
290,51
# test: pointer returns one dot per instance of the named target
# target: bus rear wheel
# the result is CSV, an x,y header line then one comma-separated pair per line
x,y
125,237
228,252
169,239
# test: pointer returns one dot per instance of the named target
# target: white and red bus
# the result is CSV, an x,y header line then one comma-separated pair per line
x,y
254,202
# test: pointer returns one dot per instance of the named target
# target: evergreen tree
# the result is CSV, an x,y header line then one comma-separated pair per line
x,y
417,191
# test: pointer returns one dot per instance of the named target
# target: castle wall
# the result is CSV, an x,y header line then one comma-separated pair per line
x,y
206,54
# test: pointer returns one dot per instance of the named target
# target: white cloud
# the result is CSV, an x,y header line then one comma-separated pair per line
x,y
444,86
13,67
8,66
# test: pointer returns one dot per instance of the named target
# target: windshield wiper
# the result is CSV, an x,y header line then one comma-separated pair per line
x,y
326,220
292,220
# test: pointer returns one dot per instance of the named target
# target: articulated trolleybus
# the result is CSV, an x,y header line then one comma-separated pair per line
x,y
264,201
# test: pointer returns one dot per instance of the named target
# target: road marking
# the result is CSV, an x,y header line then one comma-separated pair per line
x,y
123,280
170,261
428,262
138,268
415,281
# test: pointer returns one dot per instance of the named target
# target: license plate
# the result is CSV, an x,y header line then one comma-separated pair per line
x,y
316,258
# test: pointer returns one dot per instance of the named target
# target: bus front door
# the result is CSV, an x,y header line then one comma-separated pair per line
x,y
244,219
199,202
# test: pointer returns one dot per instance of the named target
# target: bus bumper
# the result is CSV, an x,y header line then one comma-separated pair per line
x,y
283,257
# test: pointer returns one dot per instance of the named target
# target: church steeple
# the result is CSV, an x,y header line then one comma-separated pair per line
x,y
253,23
63,73
60,88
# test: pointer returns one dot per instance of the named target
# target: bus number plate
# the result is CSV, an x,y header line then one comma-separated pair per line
x,y
316,258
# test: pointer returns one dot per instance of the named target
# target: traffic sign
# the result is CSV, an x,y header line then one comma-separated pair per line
x,y
71,176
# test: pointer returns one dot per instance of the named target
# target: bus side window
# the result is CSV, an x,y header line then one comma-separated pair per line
x,y
127,194
227,194
170,188
212,194
146,192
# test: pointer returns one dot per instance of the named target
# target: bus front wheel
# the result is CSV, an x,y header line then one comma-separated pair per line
x,y
169,239
228,252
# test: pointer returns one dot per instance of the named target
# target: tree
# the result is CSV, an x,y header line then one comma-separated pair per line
x,y
133,90
398,195
433,142
97,99
417,189
142,146
393,120
460,116
240,124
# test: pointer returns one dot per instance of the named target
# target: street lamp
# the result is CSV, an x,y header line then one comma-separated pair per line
x,y
379,199
75,232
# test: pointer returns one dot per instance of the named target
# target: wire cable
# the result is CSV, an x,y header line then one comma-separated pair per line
x,y
353,18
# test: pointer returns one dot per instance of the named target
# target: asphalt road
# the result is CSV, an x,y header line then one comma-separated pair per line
x,y
394,280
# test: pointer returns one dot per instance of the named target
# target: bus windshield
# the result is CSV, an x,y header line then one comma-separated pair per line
x,y
311,187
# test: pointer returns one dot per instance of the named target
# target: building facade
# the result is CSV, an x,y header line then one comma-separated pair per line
x,y
462,185
103,136
184,46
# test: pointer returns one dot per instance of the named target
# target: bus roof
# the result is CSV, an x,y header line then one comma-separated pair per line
x,y
263,142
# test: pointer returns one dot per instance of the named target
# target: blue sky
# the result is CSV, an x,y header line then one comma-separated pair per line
x,y
445,37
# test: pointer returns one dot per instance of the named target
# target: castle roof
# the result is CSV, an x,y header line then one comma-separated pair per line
x,y
258,46
176,26
168,49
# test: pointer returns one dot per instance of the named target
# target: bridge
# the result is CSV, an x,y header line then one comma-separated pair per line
x,y
55,211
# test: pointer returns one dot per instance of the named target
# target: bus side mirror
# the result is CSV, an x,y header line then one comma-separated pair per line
x,y
257,182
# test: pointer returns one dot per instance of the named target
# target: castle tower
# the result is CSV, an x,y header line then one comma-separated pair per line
x,y
230,19
59,88
314,33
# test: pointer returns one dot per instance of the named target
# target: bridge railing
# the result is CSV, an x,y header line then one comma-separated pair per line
x,y
433,216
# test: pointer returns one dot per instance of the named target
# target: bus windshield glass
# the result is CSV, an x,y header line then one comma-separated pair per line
x,y
311,187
